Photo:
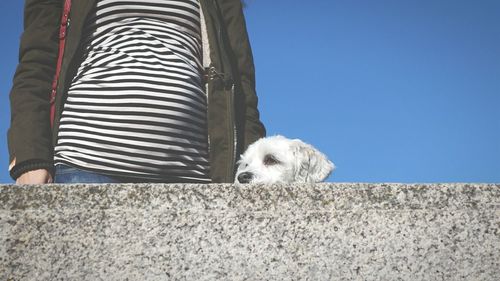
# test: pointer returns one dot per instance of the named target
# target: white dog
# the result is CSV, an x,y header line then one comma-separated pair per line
x,y
280,160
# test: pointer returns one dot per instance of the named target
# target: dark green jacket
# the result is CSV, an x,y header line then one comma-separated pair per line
x,y
233,118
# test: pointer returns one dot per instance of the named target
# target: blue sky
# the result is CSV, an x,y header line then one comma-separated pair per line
x,y
390,90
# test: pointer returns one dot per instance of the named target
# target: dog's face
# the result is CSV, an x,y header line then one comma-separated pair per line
x,y
281,160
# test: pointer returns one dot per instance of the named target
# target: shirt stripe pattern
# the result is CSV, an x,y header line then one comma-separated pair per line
x,y
136,107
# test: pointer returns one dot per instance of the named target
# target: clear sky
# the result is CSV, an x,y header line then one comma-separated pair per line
x,y
390,90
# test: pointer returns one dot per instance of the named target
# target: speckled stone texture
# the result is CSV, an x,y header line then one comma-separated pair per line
x,y
226,232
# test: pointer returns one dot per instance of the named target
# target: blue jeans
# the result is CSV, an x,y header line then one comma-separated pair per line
x,y
68,174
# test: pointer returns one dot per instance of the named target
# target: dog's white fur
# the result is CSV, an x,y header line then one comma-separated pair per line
x,y
280,160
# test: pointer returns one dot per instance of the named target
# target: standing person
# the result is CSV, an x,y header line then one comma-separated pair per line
x,y
148,91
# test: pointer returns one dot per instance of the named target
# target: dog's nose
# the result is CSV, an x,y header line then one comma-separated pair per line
x,y
245,177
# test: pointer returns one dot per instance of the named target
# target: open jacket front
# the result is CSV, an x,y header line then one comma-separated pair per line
x,y
233,118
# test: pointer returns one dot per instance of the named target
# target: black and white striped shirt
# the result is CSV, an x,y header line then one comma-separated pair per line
x,y
136,106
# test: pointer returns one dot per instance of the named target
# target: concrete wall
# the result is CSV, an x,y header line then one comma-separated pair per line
x,y
225,232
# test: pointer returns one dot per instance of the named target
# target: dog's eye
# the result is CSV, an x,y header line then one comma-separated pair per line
x,y
270,160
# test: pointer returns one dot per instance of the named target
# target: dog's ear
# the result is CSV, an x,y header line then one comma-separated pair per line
x,y
311,165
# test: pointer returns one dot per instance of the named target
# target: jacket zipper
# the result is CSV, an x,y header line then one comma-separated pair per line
x,y
212,75
63,31
207,92
235,134
231,105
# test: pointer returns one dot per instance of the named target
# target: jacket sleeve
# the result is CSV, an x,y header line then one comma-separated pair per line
x,y
29,135
238,39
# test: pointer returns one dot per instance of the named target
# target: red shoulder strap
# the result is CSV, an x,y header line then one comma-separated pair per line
x,y
62,43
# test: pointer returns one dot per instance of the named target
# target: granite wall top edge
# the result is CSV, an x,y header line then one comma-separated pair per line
x,y
323,197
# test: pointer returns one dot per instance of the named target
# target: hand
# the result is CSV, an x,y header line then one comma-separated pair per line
x,y
39,176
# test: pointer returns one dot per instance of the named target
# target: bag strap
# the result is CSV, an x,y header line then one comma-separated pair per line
x,y
62,43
